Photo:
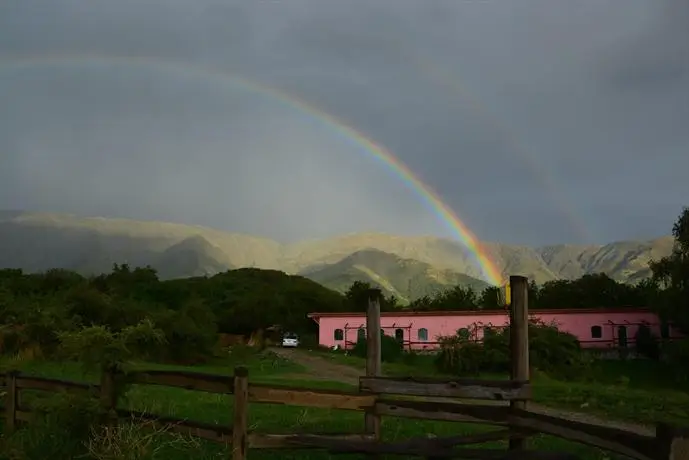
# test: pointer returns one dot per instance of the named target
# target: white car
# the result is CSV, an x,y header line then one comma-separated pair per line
x,y
290,340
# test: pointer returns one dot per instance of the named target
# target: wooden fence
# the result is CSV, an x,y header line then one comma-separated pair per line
x,y
377,396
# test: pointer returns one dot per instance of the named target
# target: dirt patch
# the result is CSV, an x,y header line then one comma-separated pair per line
x,y
318,367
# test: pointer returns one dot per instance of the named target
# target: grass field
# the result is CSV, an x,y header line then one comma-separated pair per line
x,y
636,391
622,402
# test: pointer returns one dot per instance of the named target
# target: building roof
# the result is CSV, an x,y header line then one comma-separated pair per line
x,y
562,311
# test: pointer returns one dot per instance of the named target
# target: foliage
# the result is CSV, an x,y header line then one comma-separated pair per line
x,y
676,354
647,343
358,294
391,349
550,350
46,312
555,352
589,291
62,426
97,346
455,298
671,273
69,426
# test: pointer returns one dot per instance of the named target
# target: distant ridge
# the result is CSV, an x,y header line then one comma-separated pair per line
x,y
406,279
38,241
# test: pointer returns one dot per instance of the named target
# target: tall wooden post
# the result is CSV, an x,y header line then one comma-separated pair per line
x,y
373,354
519,343
108,395
11,402
240,423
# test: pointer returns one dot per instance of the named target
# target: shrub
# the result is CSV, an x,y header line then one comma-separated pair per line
x,y
550,351
68,426
676,355
241,353
390,348
136,439
460,356
61,427
98,346
309,341
555,352
647,343
410,358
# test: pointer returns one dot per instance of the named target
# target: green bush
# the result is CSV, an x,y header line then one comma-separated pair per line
x,y
555,352
309,341
69,427
550,351
390,348
674,352
460,356
61,427
410,358
647,343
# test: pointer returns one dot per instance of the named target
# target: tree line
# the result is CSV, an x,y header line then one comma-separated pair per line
x,y
36,308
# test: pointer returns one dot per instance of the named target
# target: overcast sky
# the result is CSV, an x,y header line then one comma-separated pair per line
x,y
537,121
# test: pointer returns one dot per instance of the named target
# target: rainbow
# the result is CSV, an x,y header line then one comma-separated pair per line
x,y
444,212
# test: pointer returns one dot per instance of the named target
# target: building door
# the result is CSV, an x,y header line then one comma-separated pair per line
x,y
622,336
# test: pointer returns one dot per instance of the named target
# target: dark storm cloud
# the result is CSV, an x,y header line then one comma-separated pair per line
x,y
538,121
659,56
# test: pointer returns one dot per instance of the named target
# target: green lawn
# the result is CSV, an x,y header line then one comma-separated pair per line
x,y
633,391
284,419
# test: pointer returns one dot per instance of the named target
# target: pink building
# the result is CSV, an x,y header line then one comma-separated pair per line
x,y
599,328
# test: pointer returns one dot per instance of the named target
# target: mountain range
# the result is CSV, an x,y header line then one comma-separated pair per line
x,y
407,267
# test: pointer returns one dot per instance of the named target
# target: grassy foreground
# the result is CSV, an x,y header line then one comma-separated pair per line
x,y
632,391
39,442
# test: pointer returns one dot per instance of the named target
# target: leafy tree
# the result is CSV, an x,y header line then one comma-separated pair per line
x,y
358,294
455,298
391,350
490,298
671,273
37,309
595,290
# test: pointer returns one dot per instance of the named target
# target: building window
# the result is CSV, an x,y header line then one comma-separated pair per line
x,y
596,332
339,334
399,335
361,334
463,333
423,334
664,330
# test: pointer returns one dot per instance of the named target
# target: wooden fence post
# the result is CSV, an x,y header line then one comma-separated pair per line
x,y
11,402
673,442
373,354
241,413
519,344
108,395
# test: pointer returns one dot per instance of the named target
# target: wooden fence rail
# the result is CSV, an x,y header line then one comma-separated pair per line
x,y
376,397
